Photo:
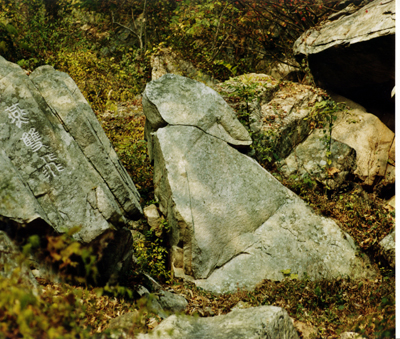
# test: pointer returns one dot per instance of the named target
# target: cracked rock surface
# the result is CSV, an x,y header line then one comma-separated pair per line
x,y
56,161
233,224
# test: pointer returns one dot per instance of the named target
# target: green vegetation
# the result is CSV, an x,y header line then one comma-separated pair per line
x,y
67,310
106,46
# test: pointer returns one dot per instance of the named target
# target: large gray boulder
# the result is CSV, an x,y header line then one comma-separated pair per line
x,y
354,56
250,323
57,164
232,223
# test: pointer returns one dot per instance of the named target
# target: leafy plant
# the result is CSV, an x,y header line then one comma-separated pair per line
x,y
152,253
323,115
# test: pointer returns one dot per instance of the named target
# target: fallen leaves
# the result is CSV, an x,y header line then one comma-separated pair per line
x,y
332,171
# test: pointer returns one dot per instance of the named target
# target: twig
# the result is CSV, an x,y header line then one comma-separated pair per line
x,y
119,24
219,22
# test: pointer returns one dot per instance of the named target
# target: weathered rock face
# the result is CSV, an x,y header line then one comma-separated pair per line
x,y
259,89
309,159
213,115
388,248
278,112
355,56
233,224
283,123
171,302
374,144
16,199
281,118
250,323
57,160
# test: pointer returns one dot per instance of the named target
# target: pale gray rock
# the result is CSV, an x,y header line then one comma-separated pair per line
x,y
279,113
281,118
152,303
293,239
388,248
125,322
257,89
16,199
351,335
153,218
123,326
232,223
284,70
309,159
171,302
251,323
350,9
199,106
372,21
59,163
69,105
137,236
392,202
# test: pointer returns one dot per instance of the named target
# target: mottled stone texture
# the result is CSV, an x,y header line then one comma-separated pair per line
x,y
250,323
232,223
57,164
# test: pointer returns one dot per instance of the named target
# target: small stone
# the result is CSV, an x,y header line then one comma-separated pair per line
x,y
351,335
152,216
172,302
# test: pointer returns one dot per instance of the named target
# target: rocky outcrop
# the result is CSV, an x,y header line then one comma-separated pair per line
x,y
123,326
354,55
233,224
373,142
250,323
257,89
309,159
57,161
361,145
286,128
278,112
